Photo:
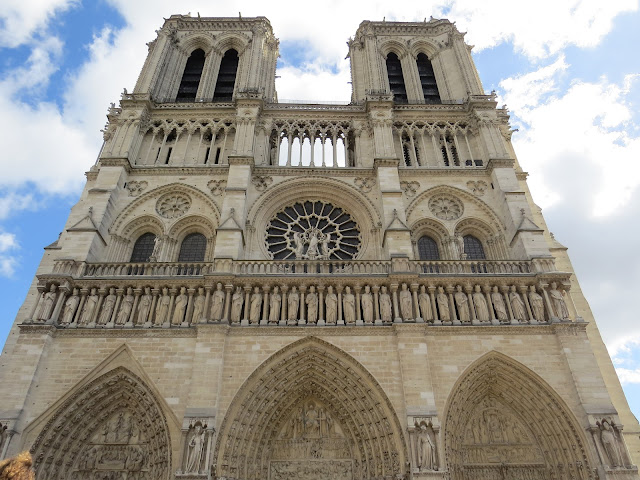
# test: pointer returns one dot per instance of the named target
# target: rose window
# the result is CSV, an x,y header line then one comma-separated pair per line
x,y
173,205
313,231
445,207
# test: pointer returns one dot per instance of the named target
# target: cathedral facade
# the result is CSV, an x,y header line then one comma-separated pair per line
x,y
250,289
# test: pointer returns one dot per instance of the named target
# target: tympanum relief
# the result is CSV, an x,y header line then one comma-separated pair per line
x,y
312,446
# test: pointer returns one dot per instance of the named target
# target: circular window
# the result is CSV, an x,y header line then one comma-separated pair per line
x,y
313,231
173,205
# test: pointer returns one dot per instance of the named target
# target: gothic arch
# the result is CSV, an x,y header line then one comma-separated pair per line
x,y
116,415
423,46
310,371
195,40
192,224
503,419
236,40
391,45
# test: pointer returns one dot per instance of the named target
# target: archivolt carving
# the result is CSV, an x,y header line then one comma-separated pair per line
x,y
194,40
148,223
190,224
282,401
113,427
475,227
502,419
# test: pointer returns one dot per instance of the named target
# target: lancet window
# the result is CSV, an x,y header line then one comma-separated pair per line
x,y
427,79
313,144
428,248
226,77
143,248
191,77
473,248
193,248
396,79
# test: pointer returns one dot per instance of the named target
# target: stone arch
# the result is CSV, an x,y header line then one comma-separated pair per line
x,y
116,414
192,224
339,193
194,40
433,229
228,40
310,370
423,46
503,421
143,224
392,45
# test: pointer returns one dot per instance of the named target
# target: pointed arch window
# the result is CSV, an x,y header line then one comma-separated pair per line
x,y
473,248
396,79
191,77
143,248
193,248
428,248
226,77
427,80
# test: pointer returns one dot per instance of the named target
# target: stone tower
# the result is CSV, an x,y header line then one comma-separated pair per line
x,y
255,290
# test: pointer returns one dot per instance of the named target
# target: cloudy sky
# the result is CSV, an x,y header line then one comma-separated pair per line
x,y
568,70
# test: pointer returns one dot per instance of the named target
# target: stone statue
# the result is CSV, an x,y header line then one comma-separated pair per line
x,y
424,301
255,306
331,306
237,300
498,305
144,306
275,303
443,305
406,307
107,307
48,303
162,310
325,246
462,303
299,245
217,303
125,307
312,250
537,304
517,305
198,306
426,450
349,306
460,244
480,302
367,305
385,305
196,449
610,444
157,244
293,302
180,307
312,305
70,308
559,305
89,308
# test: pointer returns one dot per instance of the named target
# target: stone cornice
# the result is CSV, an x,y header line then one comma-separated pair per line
x,y
205,170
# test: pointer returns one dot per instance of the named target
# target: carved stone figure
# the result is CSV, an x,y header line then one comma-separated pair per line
x,y
217,303
144,306
125,307
498,304
557,300
195,451
293,302
70,306
426,452
537,304
312,250
424,301
462,303
385,305
325,246
406,307
107,307
610,444
480,302
367,305
180,307
460,244
443,305
274,305
89,307
349,306
312,305
162,310
298,248
198,306
237,300
517,305
157,244
331,306
48,302
255,306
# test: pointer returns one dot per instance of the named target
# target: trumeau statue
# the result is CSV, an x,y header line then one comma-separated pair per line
x,y
385,305
70,306
275,303
349,306
498,304
331,306
237,300
480,302
255,306
462,304
217,303
537,304
443,305
312,305
425,304
367,305
406,304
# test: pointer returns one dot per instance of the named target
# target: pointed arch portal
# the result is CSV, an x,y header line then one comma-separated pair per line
x,y
504,422
310,412
114,427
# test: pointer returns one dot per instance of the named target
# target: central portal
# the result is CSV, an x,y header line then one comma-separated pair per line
x,y
311,446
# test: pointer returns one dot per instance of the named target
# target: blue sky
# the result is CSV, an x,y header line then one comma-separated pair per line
x,y
568,71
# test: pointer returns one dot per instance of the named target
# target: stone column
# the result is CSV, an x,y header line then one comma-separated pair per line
x,y
551,314
63,290
416,307
397,318
472,308
136,298
189,310
265,305
154,302
357,289
172,292
283,315
525,299
112,320
432,296
92,321
76,317
247,305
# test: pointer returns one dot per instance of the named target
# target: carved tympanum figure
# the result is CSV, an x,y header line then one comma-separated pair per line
x,y
195,450
217,303
517,305
180,307
498,304
537,304
480,302
385,305
559,305
70,306
425,305
48,302
443,305
312,305
275,303
331,306
237,300
255,306
349,306
107,307
367,305
462,304
406,307
125,307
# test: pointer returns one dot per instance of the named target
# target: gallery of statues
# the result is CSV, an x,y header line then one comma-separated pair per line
x,y
252,289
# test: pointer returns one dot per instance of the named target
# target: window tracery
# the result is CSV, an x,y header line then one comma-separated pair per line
x,y
193,248
143,248
428,248
473,248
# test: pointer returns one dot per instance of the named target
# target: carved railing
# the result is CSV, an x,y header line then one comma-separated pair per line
x,y
311,267
473,267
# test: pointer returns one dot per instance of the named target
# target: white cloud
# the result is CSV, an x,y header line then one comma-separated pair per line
x,y
8,262
628,376
21,19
